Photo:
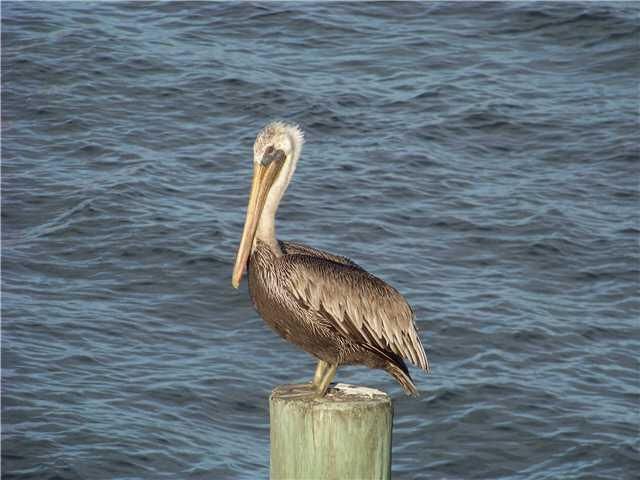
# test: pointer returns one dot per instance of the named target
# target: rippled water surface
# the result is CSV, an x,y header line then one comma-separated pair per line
x,y
482,158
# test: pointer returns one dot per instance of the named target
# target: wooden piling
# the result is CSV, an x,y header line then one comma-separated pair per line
x,y
344,435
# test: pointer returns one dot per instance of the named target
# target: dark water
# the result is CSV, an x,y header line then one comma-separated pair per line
x,y
483,158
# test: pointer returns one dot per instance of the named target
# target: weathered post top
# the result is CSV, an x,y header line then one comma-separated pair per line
x,y
344,435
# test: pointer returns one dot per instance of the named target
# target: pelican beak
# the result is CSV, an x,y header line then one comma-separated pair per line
x,y
264,174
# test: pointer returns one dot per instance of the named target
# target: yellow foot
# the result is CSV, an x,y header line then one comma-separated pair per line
x,y
300,390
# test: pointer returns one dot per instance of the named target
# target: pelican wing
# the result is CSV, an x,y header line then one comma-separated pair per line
x,y
355,303
294,248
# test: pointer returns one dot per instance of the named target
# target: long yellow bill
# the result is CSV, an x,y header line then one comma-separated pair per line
x,y
263,177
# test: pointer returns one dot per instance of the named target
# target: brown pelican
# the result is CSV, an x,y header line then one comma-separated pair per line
x,y
323,303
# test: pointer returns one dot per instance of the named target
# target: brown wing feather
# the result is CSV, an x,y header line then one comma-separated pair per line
x,y
294,248
358,304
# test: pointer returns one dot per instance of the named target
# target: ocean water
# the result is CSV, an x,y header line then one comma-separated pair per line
x,y
482,158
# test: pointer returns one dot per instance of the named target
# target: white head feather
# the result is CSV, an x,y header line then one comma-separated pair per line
x,y
290,139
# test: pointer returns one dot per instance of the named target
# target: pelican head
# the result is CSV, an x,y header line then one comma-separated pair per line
x,y
275,155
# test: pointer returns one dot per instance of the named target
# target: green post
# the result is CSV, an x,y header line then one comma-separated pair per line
x,y
344,435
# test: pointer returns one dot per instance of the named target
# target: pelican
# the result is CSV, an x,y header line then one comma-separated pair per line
x,y
325,304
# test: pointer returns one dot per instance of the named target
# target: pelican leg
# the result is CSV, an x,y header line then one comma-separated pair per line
x,y
328,375
320,372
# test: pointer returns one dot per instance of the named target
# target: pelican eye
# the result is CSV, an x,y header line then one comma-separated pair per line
x,y
271,154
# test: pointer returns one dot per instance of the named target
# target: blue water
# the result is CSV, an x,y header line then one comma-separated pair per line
x,y
482,158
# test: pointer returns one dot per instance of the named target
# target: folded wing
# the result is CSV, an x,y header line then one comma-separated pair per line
x,y
354,302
